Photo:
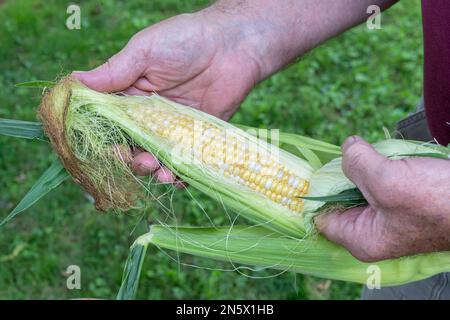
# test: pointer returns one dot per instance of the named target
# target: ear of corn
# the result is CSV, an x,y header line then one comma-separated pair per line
x,y
211,155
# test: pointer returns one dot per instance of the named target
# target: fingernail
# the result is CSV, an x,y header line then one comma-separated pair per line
x,y
350,141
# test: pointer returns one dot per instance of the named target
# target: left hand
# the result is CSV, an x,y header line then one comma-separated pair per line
x,y
409,205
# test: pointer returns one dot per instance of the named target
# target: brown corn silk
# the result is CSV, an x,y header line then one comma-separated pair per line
x,y
117,191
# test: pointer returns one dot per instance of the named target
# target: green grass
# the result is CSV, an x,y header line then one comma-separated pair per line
x,y
356,84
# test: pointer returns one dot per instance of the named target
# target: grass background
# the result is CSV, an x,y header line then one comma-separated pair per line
x,y
356,84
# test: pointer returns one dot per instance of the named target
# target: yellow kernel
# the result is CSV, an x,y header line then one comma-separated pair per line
x,y
305,188
246,175
263,181
285,189
278,188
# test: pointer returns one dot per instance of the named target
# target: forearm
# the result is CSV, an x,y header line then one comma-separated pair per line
x,y
281,31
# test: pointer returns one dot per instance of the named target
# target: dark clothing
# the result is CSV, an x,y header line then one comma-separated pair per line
x,y
436,30
434,288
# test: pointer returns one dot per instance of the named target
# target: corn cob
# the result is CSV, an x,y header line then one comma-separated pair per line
x,y
226,154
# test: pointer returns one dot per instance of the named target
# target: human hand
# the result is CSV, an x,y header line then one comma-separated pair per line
x,y
200,60
409,205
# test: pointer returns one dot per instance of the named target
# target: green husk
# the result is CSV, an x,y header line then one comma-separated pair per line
x,y
257,246
304,147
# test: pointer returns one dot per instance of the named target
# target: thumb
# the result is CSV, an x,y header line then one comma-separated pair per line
x,y
117,74
360,161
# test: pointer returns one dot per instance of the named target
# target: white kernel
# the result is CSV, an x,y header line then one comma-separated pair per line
x,y
280,175
207,132
291,180
296,182
268,184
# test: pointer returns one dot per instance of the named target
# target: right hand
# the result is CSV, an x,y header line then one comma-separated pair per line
x,y
198,59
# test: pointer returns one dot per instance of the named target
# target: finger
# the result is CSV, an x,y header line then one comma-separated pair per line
x,y
358,230
117,74
144,85
164,175
145,164
360,161
133,91
338,226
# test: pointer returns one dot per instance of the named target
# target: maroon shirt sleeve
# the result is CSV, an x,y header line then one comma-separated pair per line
x,y
436,29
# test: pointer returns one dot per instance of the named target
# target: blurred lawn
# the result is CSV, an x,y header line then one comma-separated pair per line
x,y
357,84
